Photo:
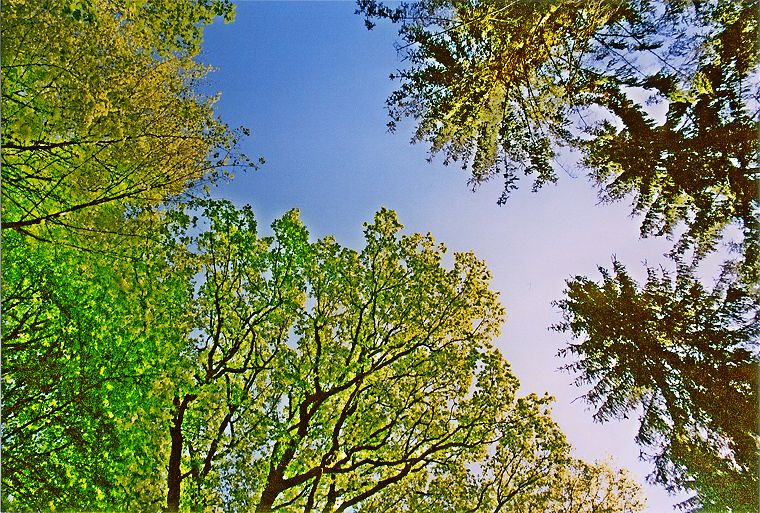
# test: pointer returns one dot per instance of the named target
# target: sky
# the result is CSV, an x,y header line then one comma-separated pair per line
x,y
310,82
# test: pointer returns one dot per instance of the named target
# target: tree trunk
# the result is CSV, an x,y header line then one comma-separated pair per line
x,y
270,493
174,480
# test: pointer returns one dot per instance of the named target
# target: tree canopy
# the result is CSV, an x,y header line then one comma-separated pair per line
x,y
684,357
501,85
183,362
102,112
195,365
271,373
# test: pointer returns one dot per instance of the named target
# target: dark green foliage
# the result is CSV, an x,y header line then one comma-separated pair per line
x,y
482,80
498,85
683,356
700,165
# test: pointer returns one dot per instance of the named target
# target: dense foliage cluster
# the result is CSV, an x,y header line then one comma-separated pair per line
x,y
102,114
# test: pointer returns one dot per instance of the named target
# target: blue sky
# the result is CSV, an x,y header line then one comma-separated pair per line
x,y
310,82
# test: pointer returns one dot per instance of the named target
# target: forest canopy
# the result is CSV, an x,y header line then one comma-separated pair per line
x,y
159,354
501,86
238,372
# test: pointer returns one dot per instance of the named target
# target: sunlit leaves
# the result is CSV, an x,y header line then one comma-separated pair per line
x,y
103,112
331,379
88,342
352,363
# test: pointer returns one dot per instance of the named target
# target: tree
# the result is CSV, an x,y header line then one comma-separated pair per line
x,y
579,487
319,378
334,373
498,85
89,342
683,356
488,81
103,114
258,373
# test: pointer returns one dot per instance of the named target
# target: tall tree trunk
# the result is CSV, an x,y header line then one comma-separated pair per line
x,y
174,480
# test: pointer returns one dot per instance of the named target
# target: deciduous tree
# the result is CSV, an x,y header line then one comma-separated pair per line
x,y
220,369
320,378
101,122
334,373
102,112
528,470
